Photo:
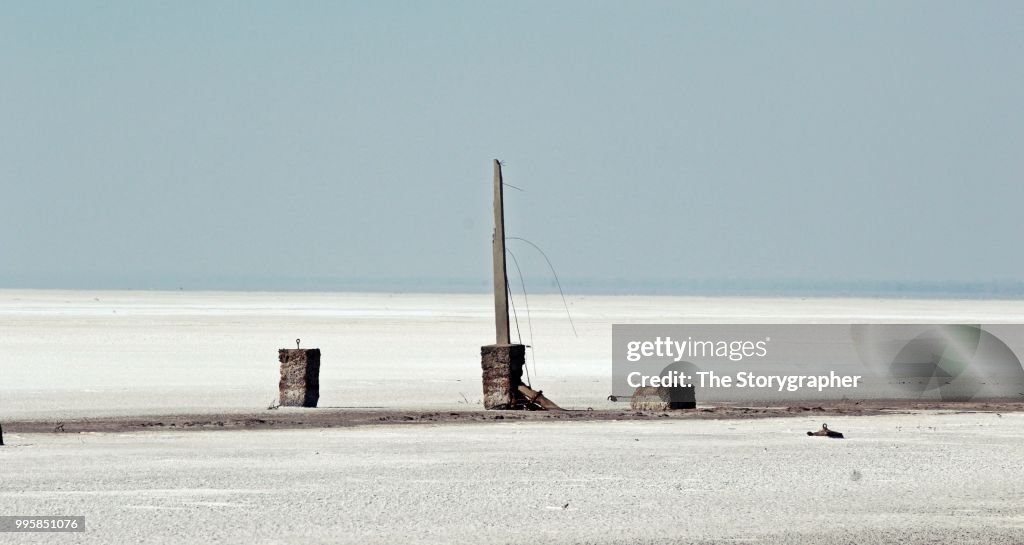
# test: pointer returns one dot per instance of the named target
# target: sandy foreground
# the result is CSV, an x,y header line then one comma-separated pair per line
x,y
921,477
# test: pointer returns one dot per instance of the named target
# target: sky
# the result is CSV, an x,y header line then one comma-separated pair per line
x,y
660,146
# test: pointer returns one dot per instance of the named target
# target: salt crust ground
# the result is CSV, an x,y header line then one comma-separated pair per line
x,y
78,356
68,354
903,478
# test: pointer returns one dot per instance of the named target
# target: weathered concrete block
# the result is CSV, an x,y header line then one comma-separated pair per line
x,y
502,372
300,377
648,398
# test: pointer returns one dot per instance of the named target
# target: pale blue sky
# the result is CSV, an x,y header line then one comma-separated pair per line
x,y
341,145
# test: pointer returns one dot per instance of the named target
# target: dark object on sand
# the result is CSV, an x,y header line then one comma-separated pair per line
x,y
1,436
825,432
300,377
663,398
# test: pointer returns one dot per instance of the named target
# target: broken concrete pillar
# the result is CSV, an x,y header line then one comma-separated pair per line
x,y
300,377
503,373
649,398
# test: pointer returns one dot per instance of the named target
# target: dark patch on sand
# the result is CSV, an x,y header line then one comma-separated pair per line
x,y
353,417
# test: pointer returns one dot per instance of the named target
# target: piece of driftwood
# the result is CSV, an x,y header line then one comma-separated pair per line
x,y
825,432
535,399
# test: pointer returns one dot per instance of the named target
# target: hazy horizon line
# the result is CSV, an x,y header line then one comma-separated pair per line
x,y
994,289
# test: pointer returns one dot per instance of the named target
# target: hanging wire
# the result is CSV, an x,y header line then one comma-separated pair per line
x,y
526,301
515,316
557,282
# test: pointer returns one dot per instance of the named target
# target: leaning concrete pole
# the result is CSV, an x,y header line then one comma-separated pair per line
x,y
502,362
500,273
